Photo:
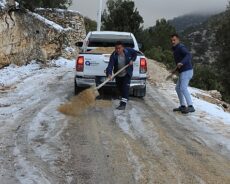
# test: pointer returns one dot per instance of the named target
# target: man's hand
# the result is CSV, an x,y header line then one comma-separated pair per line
x,y
174,71
110,77
179,65
130,63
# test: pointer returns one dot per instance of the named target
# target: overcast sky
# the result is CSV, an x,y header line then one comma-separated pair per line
x,y
151,10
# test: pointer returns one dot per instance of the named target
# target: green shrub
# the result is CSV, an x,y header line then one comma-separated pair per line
x,y
205,77
160,55
155,53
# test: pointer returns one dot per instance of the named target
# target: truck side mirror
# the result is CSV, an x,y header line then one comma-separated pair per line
x,y
139,45
79,44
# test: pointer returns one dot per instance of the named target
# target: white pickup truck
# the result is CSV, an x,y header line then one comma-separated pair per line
x,y
94,57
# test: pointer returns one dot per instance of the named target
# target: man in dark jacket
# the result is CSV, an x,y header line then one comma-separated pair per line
x,y
183,60
119,58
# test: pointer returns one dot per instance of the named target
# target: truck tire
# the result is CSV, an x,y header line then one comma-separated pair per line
x,y
77,89
139,92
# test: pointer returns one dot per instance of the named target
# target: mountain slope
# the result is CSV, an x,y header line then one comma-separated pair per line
x,y
201,39
183,22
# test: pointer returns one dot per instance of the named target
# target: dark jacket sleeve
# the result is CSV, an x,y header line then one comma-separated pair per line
x,y
109,69
133,54
187,56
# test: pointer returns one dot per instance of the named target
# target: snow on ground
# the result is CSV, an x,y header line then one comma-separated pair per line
x,y
44,126
62,62
210,118
2,3
209,108
13,74
30,108
213,111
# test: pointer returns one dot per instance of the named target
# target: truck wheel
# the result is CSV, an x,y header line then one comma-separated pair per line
x,y
139,92
77,89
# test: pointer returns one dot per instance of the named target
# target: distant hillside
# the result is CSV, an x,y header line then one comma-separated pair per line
x,y
201,39
181,23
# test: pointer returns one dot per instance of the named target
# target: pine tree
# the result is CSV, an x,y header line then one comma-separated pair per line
x,y
121,16
223,64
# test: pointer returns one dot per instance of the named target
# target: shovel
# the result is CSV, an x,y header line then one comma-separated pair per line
x,y
171,75
85,99
114,75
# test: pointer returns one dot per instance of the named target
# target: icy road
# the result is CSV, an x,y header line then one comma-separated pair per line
x,y
147,143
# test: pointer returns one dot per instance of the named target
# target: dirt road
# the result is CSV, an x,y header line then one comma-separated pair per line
x,y
147,143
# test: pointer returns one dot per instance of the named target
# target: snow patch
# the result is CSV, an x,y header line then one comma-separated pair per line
x,y
45,131
144,130
132,124
25,172
14,74
59,10
62,62
122,121
134,160
213,111
2,3
69,49
49,23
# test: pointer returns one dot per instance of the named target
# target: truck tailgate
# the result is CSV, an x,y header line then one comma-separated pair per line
x,y
95,64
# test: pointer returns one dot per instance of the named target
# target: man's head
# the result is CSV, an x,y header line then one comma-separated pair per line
x,y
119,47
175,39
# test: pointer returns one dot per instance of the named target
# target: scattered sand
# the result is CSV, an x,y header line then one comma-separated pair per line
x,y
78,104
157,72
225,106
5,89
103,103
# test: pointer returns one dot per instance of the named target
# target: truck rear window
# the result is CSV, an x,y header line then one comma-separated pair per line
x,y
109,40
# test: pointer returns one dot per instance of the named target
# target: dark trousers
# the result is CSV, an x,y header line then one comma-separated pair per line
x,y
123,85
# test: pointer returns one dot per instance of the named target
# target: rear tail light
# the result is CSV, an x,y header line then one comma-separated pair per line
x,y
80,64
143,65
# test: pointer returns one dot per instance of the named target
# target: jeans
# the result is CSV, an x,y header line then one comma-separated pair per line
x,y
123,84
182,87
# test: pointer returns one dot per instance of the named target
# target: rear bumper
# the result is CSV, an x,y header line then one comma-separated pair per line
x,y
85,82
88,82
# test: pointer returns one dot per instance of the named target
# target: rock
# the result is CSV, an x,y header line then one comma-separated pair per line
x,y
225,106
215,94
28,36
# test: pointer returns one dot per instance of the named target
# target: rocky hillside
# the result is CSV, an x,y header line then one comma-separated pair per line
x,y
50,34
198,33
183,22
201,39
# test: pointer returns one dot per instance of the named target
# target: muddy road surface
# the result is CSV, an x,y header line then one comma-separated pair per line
x,y
146,143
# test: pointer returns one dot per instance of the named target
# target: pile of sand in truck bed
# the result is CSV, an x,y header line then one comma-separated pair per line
x,y
102,50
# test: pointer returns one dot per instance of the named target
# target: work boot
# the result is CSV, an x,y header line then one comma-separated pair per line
x,y
121,106
179,109
190,108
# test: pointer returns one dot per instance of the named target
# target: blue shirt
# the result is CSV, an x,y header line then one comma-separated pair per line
x,y
182,55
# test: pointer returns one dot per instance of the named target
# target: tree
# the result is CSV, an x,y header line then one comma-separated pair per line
x,y
157,36
32,4
223,63
156,42
121,15
90,25
160,34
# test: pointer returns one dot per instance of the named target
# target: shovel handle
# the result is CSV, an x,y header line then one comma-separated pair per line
x,y
114,75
